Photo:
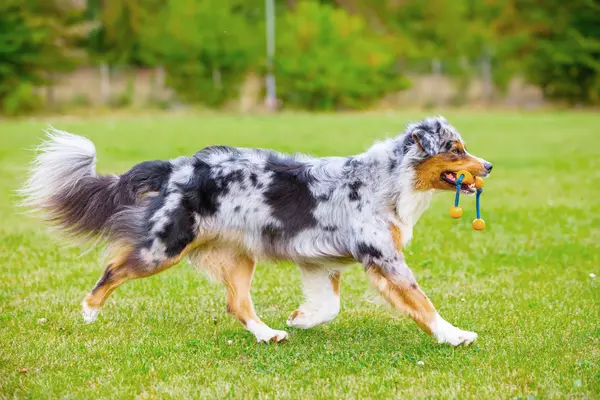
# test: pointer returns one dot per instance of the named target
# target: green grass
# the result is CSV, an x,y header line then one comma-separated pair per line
x,y
523,284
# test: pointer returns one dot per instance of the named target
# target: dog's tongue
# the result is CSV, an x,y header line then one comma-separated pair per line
x,y
451,176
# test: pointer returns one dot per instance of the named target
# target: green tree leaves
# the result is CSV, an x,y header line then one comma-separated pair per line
x,y
331,54
328,59
37,38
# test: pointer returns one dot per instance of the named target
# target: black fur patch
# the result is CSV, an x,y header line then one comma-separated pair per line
x,y
271,234
354,187
236,176
366,250
202,192
288,194
179,232
253,179
148,176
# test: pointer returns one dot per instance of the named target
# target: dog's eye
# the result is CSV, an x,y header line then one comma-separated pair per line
x,y
455,151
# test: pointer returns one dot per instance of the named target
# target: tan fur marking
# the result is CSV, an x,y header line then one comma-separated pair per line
x,y
232,266
335,278
100,294
427,173
294,315
122,269
405,296
238,278
396,236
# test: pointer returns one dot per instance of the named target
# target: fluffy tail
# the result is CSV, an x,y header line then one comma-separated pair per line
x,y
64,186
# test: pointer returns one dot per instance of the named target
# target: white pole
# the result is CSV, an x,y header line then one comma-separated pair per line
x,y
104,84
271,100
486,74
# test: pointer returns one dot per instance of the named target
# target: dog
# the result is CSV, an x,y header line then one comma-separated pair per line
x,y
225,208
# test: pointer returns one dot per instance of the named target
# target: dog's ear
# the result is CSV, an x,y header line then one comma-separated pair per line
x,y
427,142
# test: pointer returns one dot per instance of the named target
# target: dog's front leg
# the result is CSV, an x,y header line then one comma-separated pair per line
x,y
321,288
395,281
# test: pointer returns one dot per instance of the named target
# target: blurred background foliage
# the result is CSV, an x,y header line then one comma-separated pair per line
x,y
330,54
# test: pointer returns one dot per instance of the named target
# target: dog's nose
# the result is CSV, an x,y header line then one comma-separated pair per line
x,y
488,166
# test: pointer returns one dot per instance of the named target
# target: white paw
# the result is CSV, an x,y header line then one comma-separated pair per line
x,y
445,332
89,314
265,334
305,320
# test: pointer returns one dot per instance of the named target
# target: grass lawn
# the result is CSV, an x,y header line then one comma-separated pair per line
x,y
524,284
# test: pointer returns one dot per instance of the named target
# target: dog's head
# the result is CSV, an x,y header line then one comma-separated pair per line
x,y
439,152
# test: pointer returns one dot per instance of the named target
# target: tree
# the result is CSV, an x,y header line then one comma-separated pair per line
x,y
207,46
565,56
328,59
37,39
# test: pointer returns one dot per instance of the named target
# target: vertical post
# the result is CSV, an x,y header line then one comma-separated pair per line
x,y
50,100
158,84
436,67
436,70
271,99
104,84
486,75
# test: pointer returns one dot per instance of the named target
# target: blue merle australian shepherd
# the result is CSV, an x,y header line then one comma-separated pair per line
x,y
225,208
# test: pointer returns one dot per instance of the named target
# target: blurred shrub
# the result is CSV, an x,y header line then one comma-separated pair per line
x,y
328,59
206,46
565,61
21,99
36,38
79,100
125,98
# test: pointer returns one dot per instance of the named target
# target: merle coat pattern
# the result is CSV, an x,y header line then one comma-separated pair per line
x,y
226,207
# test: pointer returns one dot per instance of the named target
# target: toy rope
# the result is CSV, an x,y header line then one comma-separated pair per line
x,y
477,203
456,211
458,186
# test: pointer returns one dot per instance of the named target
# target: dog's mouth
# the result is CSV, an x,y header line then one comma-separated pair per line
x,y
450,178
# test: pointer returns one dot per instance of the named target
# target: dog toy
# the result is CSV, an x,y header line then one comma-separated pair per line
x,y
456,211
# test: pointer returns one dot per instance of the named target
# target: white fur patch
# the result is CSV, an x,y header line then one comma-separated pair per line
x,y
410,205
265,334
89,314
155,254
321,304
445,332
62,161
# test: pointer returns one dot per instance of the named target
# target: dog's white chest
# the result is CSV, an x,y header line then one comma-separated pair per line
x,y
409,208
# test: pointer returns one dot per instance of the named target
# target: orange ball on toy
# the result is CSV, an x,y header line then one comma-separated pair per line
x,y
456,212
478,182
478,224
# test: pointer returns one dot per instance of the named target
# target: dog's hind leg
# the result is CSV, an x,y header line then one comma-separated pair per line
x,y
124,265
321,289
235,270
